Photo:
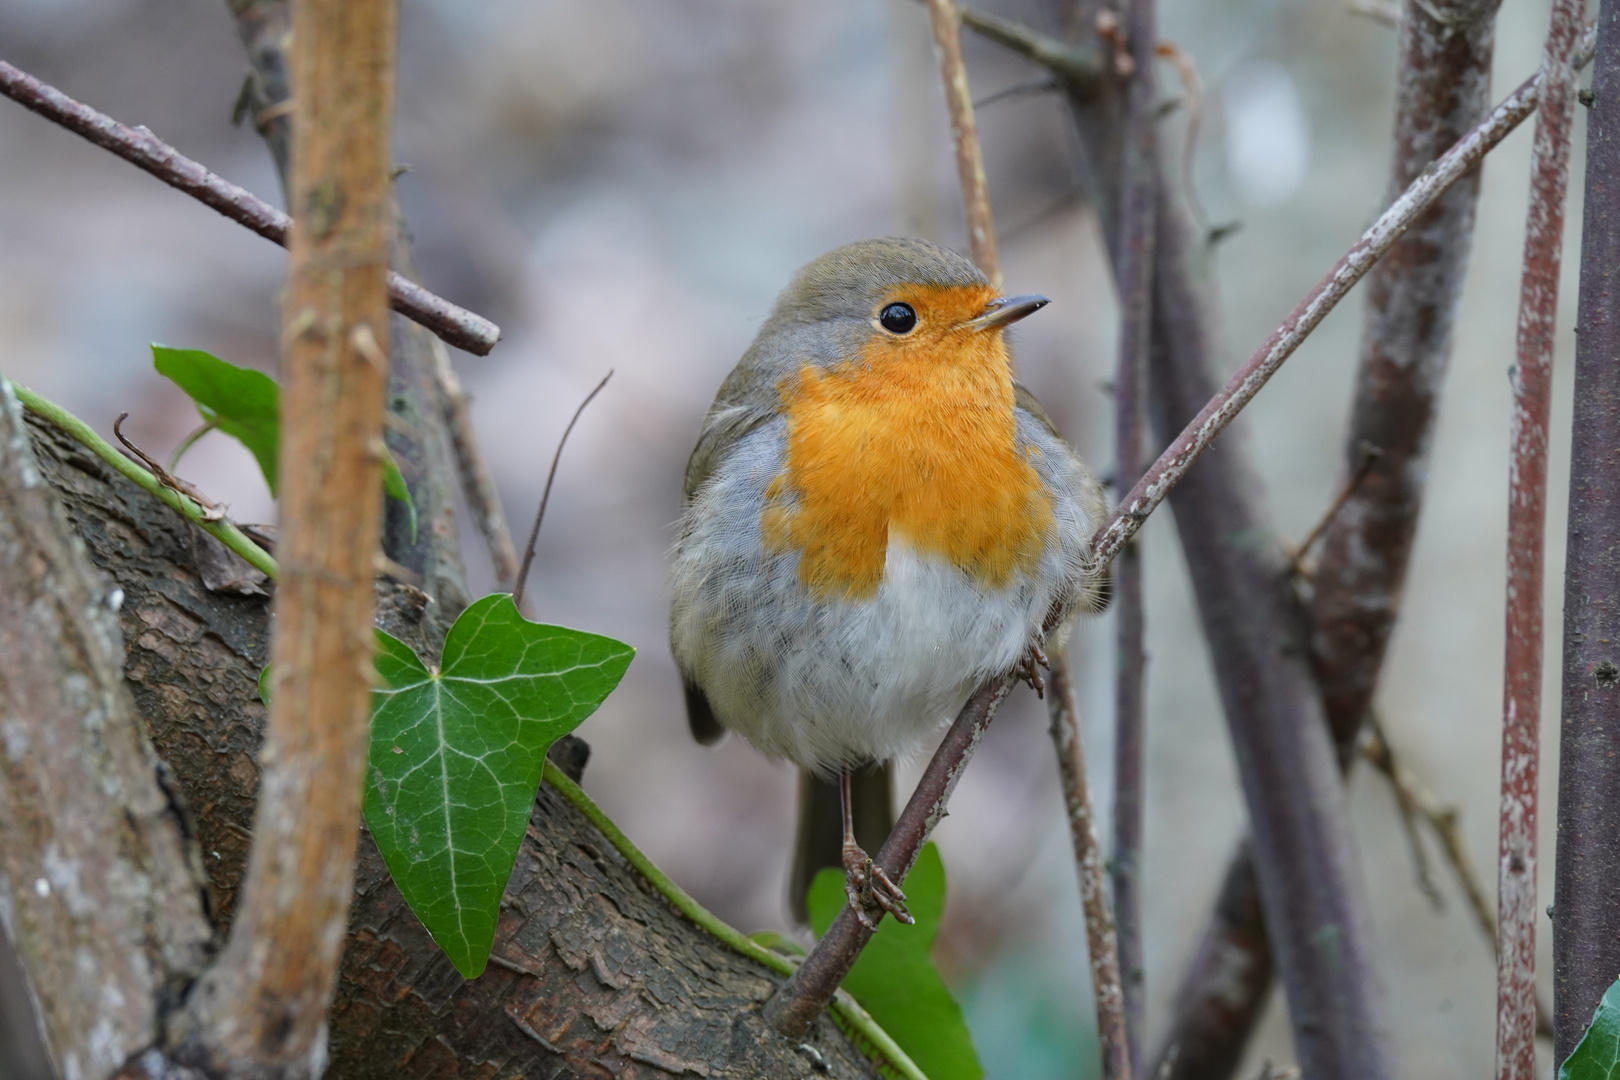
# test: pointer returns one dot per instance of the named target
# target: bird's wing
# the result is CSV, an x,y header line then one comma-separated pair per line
x,y
1023,399
725,424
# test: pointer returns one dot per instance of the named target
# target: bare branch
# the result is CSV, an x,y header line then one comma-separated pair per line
x,y
1079,69
1423,192
1134,253
1113,1030
1527,522
261,1010
946,20
139,147
483,499
545,496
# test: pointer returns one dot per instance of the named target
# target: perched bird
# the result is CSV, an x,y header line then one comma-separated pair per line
x,y
877,520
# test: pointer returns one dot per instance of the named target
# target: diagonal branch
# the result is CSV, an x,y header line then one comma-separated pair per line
x,y
139,147
1225,405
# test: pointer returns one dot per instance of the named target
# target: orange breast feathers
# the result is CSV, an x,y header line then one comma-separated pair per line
x,y
914,440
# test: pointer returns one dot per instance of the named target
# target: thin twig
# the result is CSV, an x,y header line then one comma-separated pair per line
x,y
483,498
139,147
1041,84
211,510
1101,938
793,1008
189,441
1133,273
1369,455
1376,750
1527,521
545,497
1173,464
1079,69
1445,821
946,20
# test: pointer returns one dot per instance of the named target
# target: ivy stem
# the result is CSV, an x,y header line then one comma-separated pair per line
x,y
855,1020
222,530
189,441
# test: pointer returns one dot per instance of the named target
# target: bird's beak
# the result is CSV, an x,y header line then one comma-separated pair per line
x,y
1006,311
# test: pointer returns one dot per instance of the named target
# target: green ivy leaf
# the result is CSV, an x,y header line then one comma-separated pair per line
x,y
242,402
1597,1055
895,979
457,754
246,404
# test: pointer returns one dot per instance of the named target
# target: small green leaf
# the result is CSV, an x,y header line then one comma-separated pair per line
x,y
264,686
246,404
243,403
1597,1055
394,487
457,754
895,979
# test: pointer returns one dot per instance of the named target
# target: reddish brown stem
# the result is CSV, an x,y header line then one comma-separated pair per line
x,y
1527,512
139,147
796,1005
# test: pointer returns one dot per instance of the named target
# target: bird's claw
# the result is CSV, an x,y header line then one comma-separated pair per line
x,y
870,890
1029,670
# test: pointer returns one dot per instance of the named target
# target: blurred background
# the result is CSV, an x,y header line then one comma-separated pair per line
x,y
626,184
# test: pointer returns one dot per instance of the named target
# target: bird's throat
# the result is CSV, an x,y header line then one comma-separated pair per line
x,y
916,446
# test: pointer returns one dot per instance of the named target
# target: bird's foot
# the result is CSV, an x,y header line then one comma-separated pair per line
x,y
870,890
1029,670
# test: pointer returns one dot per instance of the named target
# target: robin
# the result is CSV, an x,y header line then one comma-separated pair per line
x,y
878,519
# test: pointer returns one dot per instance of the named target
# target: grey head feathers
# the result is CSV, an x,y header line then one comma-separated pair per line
x,y
823,317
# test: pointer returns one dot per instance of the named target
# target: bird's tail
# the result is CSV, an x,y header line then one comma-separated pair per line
x,y
821,826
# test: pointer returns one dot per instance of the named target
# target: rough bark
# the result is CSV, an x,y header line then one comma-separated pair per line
x,y
595,975
1586,923
96,894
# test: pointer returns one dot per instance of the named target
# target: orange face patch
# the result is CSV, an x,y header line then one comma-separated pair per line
x,y
913,438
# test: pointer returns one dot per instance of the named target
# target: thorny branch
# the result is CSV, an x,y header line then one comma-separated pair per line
x,y
139,147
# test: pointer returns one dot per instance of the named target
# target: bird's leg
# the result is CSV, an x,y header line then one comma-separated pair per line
x,y
868,886
1029,670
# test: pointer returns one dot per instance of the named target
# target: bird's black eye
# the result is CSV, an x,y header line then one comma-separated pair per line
x,y
898,318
